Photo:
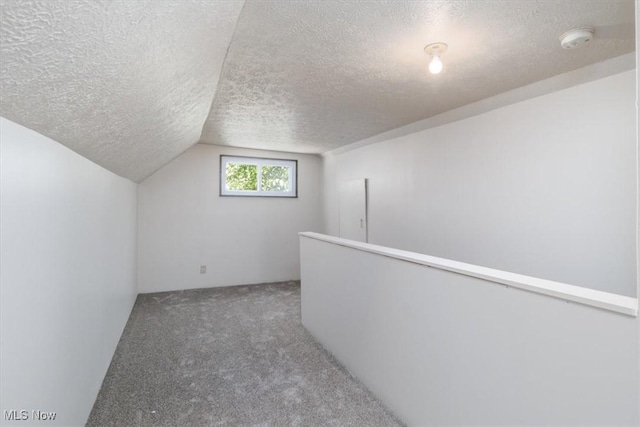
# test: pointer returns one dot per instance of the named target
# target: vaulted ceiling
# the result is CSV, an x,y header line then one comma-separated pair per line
x,y
132,84
127,84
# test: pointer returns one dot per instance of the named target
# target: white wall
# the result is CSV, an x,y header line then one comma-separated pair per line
x,y
68,279
638,166
184,223
545,187
440,348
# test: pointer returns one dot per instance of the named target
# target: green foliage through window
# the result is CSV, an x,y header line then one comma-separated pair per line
x,y
242,177
275,178
255,176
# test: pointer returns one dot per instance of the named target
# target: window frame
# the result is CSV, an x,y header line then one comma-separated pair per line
x,y
259,162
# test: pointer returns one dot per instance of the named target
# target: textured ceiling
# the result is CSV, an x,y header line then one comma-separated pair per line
x,y
313,76
127,84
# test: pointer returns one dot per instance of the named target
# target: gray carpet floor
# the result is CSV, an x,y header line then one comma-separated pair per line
x,y
235,356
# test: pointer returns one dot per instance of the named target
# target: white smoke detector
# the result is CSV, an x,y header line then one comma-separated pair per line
x,y
576,38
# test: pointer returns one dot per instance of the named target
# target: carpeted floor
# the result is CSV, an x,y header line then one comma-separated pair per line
x,y
235,356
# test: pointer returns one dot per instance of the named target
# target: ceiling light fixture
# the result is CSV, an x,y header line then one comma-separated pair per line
x,y
435,50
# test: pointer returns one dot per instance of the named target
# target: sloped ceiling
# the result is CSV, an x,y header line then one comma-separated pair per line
x,y
313,76
132,84
127,84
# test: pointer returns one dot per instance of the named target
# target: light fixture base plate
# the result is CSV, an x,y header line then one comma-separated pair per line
x,y
435,48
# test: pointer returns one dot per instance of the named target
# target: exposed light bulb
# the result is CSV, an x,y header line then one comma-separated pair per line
x,y
434,50
435,66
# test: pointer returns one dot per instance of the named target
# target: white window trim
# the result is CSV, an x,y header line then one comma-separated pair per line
x,y
259,161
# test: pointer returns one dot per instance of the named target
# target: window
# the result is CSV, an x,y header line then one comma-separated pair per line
x,y
252,176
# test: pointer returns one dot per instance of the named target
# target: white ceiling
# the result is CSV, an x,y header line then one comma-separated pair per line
x,y
313,76
128,84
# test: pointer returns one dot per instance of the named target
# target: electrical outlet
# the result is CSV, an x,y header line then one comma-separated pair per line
x,y
203,269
